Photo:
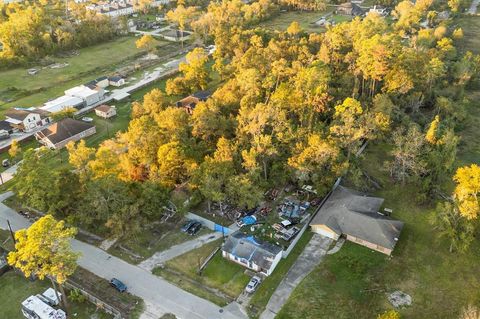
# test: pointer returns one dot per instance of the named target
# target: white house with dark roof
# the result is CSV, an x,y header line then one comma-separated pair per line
x,y
357,217
252,253
60,133
26,120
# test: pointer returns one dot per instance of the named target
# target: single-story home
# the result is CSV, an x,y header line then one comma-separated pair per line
x,y
116,81
105,111
350,9
357,217
60,133
252,253
26,120
191,101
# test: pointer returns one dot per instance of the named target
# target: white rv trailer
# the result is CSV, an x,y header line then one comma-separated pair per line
x,y
34,308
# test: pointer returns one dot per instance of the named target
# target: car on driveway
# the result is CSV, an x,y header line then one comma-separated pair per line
x,y
194,229
253,284
117,284
188,225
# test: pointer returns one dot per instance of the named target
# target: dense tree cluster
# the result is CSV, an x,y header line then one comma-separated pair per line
x,y
291,107
31,30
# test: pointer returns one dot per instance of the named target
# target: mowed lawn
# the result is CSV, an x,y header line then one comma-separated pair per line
x,y
220,274
353,283
15,288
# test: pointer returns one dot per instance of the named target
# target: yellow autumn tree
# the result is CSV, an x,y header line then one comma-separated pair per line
x,y
79,155
146,42
44,250
391,314
467,190
433,131
14,150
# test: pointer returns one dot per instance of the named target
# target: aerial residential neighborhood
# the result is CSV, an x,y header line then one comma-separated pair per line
x,y
239,159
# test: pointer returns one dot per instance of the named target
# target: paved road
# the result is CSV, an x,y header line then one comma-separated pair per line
x,y
162,256
310,258
8,173
473,7
160,296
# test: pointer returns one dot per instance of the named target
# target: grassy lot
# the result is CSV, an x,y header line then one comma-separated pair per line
x,y
92,62
158,238
306,19
15,288
268,286
220,274
441,283
339,288
471,32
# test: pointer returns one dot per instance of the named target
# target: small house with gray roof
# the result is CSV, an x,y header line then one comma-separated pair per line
x,y
252,253
357,217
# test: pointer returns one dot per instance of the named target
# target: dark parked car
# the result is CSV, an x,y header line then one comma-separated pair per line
x,y
195,229
188,225
117,284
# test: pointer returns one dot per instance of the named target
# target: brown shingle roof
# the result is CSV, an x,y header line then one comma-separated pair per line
x,y
65,129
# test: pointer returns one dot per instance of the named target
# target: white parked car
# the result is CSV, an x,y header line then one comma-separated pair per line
x,y
87,119
253,284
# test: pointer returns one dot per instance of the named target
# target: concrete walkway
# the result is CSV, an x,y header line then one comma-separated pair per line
x,y
337,246
473,7
9,173
160,296
311,257
162,256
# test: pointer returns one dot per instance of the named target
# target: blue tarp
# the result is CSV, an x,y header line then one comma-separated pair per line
x,y
249,220
221,229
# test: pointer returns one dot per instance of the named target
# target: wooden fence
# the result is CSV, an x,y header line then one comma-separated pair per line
x,y
95,300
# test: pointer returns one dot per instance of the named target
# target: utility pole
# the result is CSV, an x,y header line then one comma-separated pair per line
x,y
1,178
11,232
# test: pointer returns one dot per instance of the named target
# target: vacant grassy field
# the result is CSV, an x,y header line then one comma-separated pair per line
x,y
14,289
17,88
306,19
353,283
220,274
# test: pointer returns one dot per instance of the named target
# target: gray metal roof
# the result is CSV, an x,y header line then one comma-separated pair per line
x,y
353,213
252,249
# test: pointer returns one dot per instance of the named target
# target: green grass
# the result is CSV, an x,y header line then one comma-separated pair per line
x,y
340,289
92,62
158,238
471,32
268,286
306,19
221,274
15,288
441,283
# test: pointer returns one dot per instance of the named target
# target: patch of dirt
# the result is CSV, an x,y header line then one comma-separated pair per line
x,y
399,299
